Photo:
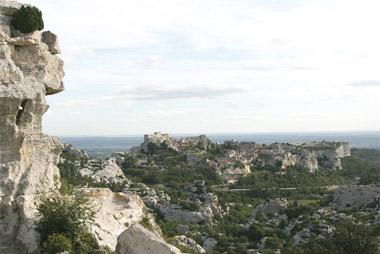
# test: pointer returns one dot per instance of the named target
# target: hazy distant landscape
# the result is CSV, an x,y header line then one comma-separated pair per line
x,y
98,146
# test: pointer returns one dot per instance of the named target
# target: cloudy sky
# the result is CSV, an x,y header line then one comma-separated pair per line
x,y
210,66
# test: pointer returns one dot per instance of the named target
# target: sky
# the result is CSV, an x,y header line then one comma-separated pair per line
x,y
214,66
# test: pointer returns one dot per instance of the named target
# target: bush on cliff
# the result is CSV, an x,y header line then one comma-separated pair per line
x,y
28,19
64,221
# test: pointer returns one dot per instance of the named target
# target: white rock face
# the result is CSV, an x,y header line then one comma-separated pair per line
x,y
116,212
28,158
272,205
355,196
139,240
104,171
175,212
311,155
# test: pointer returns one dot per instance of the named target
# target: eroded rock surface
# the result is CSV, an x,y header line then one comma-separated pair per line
x,y
139,240
355,196
28,72
116,212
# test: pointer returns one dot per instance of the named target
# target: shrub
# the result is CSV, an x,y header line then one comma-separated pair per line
x,y
273,243
145,222
66,216
28,19
57,243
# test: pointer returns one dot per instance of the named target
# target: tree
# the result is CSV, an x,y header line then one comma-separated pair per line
x,y
28,19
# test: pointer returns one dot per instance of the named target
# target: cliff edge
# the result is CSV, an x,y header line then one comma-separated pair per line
x,y
29,70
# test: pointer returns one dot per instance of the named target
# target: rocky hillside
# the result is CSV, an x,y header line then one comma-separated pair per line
x,y
199,216
237,159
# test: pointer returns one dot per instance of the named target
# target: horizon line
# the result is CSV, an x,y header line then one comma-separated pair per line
x,y
221,133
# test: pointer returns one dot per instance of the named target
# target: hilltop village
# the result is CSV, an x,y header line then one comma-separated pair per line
x,y
238,158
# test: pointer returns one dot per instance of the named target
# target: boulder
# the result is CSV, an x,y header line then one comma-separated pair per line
x,y
209,244
175,212
188,243
182,229
52,41
139,240
115,213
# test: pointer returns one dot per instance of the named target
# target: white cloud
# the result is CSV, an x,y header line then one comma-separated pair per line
x,y
365,83
292,55
169,92
75,113
232,105
158,104
161,113
151,62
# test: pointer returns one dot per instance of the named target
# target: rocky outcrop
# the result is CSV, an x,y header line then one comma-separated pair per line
x,y
270,206
149,196
311,155
75,152
139,240
176,212
188,243
158,138
209,244
115,213
155,138
355,196
201,141
29,71
103,171
205,209
99,170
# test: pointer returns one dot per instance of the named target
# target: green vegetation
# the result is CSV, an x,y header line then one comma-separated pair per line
x,y
64,221
356,167
348,237
57,243
28,19
145,222
166,169
71,178
264,177
366,154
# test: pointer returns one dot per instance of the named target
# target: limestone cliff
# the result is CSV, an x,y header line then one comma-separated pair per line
x,y
29,70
